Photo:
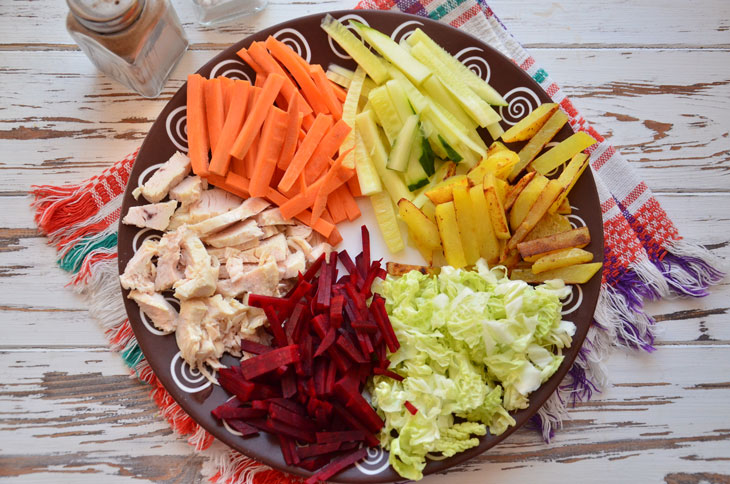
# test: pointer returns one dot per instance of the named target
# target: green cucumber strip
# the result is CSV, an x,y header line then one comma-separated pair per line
x,y
434,89
476,83
355,48
475,107
385,112
367,174
415,175
337,73
389,49
437,178
400,152
495,131
400,99
426,157
369,133
451,154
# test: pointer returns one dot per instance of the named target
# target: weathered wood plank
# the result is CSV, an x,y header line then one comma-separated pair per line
x,y
645,417
664,109
565,24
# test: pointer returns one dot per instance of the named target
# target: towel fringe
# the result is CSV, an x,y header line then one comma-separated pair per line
x,y
690,269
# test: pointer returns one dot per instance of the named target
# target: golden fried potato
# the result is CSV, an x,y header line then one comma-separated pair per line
x,y
538,142
534,249
525,200
561,153
496,213
561,258
530,124
441,193
549,224
569,177
487,239
467,221
396,269
538,209
576,274
450,236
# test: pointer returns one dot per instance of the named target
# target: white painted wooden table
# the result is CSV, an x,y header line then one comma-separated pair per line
x,y
653,76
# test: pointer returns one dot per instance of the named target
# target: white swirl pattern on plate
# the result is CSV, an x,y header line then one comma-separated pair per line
x,y
521,102
187,379
294,39
375,462
476,63
177,128
147,172
234,69
573,301
575,220
140,238
336,49
149,325
398,34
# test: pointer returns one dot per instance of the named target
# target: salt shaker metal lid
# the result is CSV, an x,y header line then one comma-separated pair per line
x,y
106,16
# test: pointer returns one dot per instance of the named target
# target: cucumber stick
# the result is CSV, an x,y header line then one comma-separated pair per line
x,y
475,106
420,199
476,83
367,174
388,221
349,110
400,152
434,89
415,175
358,51
343,77
369,132
400,99
386,113
389,49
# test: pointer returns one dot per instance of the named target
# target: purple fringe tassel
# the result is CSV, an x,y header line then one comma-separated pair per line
x,y
698,269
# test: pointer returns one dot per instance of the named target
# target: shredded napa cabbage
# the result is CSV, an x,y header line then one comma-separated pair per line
x,y
474,345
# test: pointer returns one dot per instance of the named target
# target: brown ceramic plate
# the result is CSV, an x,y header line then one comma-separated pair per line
x,y
191,390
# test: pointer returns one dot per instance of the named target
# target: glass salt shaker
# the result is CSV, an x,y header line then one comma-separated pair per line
x,y
211,12
136,42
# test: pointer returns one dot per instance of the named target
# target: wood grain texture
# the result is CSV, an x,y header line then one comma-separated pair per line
x,y
653,78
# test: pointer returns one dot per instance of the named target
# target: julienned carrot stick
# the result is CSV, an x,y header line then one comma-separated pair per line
x,y
260,80
214,110
227,89
272,137
325,87
336,206
250,158
351,208
326,150
269,65
330,182
354,185
284,54
198,141
334,238
339,92
307,122
231,128
254,120
292,130
322,226
243,54
319,128
237,184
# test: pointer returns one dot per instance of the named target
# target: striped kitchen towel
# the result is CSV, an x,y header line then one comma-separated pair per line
x,y
645,257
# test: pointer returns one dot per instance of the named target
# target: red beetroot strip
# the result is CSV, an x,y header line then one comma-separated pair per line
x,y
307,387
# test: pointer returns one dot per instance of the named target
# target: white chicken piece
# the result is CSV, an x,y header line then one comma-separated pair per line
x,y
212,203
275,247
293,265
238,233
299,230
319,249
263,279
195,339
168,175
272,216
140,271
169,263
179,218
269,231
188,191
157,308
230,316
154,215
201,270
248,208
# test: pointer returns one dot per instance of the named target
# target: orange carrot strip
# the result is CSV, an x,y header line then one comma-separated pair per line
x,y
326,150
351,208
336,206
255,119
272,137
284,54
237,184
269,65
353,184
260,80
227,87
214,110
334,238
291,137
322,226
325,88
301,133
307,122
198,141
250,158
308,147
243,54
234,121
339,92
330,183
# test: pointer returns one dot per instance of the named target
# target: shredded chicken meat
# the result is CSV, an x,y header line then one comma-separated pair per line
x,y
216,248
